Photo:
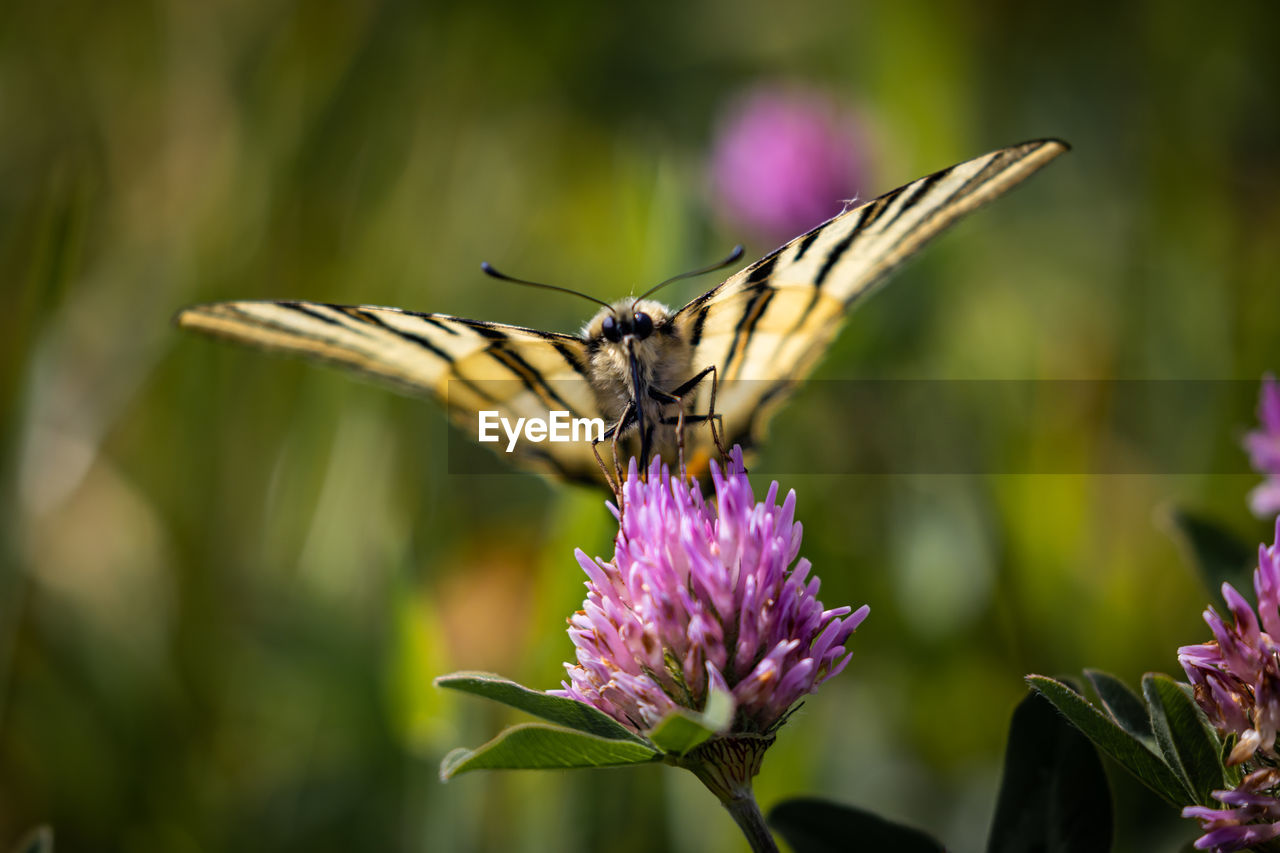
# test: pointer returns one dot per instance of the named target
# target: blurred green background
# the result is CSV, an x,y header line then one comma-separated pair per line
x,y
228,579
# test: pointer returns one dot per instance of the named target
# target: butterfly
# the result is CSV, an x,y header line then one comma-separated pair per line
x,y
646,373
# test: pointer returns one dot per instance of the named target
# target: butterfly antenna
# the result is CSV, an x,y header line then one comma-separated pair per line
x,y
490,271
721,264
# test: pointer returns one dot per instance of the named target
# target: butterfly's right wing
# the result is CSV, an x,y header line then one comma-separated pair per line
x,y
766,326
468,365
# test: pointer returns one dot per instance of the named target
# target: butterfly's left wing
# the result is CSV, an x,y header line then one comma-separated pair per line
x,y
766,326
468,365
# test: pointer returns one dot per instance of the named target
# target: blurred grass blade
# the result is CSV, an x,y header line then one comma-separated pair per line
x,y
537,746
1189,747
1124,706
1112,739
569,713
1054,793
811,825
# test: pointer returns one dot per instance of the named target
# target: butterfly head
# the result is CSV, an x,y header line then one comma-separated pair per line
x,y
634,342
627,324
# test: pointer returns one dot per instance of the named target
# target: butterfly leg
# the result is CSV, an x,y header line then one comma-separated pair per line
x,y
690,419
712,417
604,469
614,480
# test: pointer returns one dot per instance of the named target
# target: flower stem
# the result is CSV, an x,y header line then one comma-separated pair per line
x,y
726,765
747,815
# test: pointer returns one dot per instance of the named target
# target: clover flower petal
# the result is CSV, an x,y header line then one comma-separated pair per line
x,y
703,595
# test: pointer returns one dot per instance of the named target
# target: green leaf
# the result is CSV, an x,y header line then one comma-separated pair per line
x,y
1218,554
1124,706
1190,747
37,840
1054,793
811,825
537,746
1132,754
569,713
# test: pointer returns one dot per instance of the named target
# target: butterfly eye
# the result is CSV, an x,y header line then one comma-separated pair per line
x,y
610,329
644,325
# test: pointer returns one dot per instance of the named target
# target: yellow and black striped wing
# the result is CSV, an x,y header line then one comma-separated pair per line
x,y
765,327
468,365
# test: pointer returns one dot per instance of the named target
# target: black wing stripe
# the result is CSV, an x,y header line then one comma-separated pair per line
x,y
833,257
514,364
746,325
877,209
917,197
920,189
309,310
444,327
910,195
865,219
529,375
571,359
496,333
695,337
267,322
365,322
763,270
488,331
743,320
994,164
748,336
941,207
756,273
532,379
855,228
959,192
914,194
375,320
252,319
808,240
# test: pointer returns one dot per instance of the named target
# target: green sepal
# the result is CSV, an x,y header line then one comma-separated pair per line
x,y
537,746
682,729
